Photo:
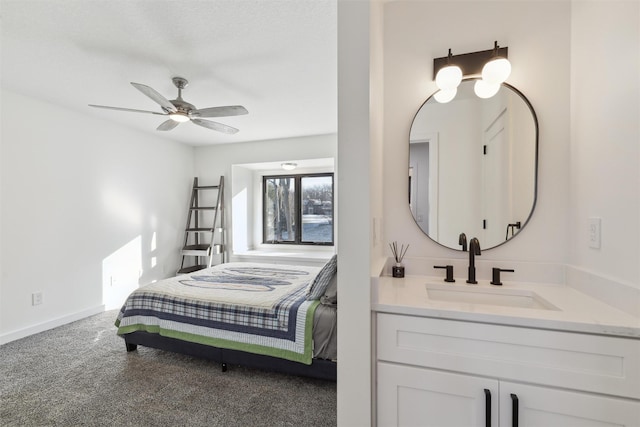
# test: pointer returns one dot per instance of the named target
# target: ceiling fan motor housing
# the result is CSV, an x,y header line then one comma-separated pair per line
x,y
182,106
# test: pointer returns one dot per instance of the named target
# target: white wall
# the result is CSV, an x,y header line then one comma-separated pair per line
x,y
376,136
605,137
86,207
357,159
242,206
538,35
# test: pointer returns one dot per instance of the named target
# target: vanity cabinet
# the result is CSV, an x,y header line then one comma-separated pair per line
x,y
409,396
435,372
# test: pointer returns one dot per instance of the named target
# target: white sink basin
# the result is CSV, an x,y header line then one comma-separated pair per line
x,y
473,294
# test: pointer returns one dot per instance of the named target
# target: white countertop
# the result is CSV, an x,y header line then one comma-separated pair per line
x,y
571,311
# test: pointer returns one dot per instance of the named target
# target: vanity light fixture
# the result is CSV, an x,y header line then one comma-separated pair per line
x,y
492,65
497,69
449,76
289,166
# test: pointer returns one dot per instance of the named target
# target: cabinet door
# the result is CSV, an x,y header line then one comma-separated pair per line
x,y
409,396
546,407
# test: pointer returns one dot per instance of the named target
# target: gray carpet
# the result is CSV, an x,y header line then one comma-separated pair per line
x,y
80,375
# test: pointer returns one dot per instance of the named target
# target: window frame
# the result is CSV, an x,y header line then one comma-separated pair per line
x,y
298,209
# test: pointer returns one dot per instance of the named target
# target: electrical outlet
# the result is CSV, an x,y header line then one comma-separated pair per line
x,y
594,233
36,298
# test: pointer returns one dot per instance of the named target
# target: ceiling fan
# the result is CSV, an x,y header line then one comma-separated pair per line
x,y
180,111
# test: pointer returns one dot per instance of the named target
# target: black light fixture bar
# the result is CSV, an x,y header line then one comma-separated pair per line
x,y
469,63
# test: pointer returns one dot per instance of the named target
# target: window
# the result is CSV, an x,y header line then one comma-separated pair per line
x,y
298,209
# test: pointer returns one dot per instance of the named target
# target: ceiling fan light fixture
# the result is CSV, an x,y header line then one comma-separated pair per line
x,y
179,117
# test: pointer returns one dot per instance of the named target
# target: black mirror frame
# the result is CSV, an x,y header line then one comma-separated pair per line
x,y
535,184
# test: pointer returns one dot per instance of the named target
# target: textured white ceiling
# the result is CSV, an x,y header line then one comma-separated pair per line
x,y
277,58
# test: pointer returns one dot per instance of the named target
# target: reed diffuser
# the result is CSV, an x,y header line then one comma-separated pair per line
x,y
398,254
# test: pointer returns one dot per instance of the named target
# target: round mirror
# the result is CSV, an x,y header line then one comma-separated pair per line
x,y
473,166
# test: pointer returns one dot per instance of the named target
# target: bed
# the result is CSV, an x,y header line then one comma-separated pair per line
x,y
268,316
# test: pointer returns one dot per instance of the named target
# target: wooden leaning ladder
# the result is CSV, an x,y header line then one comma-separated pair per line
x,y
196,246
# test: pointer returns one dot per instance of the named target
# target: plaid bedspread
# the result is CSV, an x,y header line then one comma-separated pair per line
x,y
253,307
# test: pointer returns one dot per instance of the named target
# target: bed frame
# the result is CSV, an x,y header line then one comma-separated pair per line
x,y
319,368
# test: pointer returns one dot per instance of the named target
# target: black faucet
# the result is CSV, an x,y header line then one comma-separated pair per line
x,y
462,241
474,249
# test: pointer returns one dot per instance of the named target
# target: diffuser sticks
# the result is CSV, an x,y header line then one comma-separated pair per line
x,y
398,255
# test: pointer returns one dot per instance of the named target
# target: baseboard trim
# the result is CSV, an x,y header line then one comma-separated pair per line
x,y
50,324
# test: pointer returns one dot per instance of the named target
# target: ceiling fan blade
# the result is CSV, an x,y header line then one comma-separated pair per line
x,y
153,94
214,126
126,109
168,125
229,110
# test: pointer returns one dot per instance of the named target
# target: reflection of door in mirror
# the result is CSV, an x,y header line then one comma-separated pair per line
x,y
496,200
423,169
419,170
466,188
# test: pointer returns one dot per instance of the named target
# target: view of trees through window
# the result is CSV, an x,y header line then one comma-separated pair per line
x,y
298,209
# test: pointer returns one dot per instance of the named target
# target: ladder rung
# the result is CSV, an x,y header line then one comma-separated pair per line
x,y
206,187
199,247
203,208
188,252
191,269
198,230
202,250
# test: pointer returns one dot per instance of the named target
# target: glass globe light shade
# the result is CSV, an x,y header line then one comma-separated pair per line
x,y
485,90
496,70
179,117
449,77
445,95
